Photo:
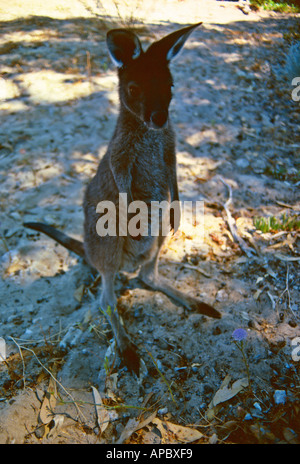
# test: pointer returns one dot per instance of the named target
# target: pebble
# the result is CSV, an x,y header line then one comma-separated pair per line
x,y
159,365
280,396
242,163
221,295
257,406
28,333
162,411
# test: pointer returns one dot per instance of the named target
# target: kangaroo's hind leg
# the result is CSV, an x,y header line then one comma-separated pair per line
x,y
108,303
105,254
149,275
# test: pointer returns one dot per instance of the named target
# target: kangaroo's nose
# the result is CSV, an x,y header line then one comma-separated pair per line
x,y
159,118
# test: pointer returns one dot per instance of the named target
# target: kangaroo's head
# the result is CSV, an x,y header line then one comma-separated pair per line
x,y
145,80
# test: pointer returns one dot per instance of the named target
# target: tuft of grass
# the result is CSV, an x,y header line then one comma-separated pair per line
x,y
273,224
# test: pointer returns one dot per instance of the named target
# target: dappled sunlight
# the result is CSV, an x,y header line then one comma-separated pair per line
x,y
53,87
35,38
217,134
29,262
8,90
175,11
16,9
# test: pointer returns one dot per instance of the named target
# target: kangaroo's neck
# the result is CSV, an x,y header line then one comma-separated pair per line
x,y
130,124
129,121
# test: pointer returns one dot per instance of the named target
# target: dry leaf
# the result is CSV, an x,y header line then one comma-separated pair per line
x,y
291,436
287,258
48,404
225,393
213,439
258,293
173,433
79,292
111,385
87,317
271,272
2,349
57,424
151,438
133,425
101,411
130,428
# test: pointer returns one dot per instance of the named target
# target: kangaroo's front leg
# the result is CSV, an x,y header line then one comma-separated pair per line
x,y
126,348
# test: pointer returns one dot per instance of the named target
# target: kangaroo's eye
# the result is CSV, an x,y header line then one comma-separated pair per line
x,y
133,90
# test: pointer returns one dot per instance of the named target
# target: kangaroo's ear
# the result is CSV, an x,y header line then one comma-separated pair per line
x,y
171,45
123,46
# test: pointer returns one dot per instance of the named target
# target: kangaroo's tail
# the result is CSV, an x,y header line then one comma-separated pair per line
x,y
70,243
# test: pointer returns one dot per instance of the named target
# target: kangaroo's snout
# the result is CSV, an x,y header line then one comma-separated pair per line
x,y
159,119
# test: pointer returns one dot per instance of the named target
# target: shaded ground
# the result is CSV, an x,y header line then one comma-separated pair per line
x,y
237,128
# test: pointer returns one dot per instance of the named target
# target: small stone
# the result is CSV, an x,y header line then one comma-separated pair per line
x,y
257,406
221,295
162,411
280,396
242,163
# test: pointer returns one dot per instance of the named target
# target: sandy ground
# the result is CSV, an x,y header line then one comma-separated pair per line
x,y
237,130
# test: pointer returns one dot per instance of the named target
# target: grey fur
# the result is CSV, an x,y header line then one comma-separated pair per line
x,y
141,162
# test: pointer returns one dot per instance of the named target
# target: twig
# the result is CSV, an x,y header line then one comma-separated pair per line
x,y
286,258
272,300
21,355
287,291
285,205
232,224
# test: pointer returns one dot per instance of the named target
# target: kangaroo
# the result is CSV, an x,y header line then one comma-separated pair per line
x,y
140,162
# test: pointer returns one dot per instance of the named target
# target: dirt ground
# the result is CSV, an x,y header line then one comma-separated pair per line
x,y
237,138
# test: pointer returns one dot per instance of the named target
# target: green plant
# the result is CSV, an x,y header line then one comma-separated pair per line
x,y
106,365
273,224
277,5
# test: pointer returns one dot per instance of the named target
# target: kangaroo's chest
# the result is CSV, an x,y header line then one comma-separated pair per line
x,y
149,180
